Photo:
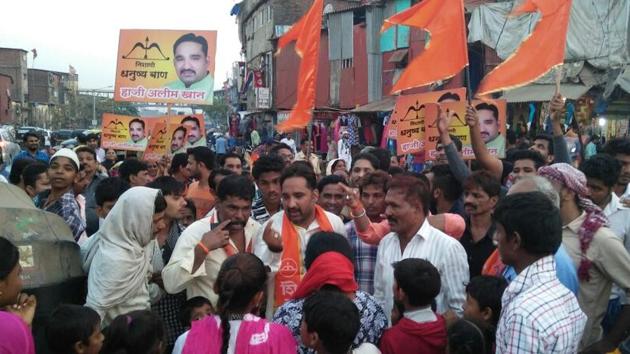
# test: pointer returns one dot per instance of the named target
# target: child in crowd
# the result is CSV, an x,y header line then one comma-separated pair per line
x,y
417,283
483,299
469,337
35,178
107,193
138,332
60,199
330,323
74,329
194,309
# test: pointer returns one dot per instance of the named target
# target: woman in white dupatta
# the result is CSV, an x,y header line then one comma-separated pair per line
x,y
120,268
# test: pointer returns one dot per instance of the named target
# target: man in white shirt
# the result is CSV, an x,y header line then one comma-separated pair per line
x,y
602,172
204,245
290,142
620,150
284,237
306,154
407,205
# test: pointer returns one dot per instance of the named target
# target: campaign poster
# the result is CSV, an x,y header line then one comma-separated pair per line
x,y
166,66
124,133
161,135
492,123
492,116
406,104
455,115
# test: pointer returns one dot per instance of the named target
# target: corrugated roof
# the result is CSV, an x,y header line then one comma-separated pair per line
x,y
539,93
383,105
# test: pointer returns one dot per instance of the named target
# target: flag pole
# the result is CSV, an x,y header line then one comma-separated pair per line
x,y
558,78
468,87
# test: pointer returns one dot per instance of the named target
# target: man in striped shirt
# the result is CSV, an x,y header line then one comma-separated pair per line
x,y
407,206
266,172
539,314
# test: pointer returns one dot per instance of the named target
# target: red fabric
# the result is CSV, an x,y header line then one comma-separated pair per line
x,y
307,34
425,338
539,53
330,268
447,52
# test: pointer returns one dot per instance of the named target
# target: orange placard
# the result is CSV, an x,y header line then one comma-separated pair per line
x,y
160,135
492,122
410,132
166,66
492,118
455,114
124,132
410,108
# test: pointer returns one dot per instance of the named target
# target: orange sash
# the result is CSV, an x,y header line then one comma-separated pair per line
x,y
290,271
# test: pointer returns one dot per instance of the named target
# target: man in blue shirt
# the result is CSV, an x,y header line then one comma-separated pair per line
x,y
220,146
31,149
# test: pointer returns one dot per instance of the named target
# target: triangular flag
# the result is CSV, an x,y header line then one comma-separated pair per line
x,y
446,54
539,53
306,32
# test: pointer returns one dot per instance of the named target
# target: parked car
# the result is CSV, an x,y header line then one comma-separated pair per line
x,y
10,148
23,130
70,143
61,135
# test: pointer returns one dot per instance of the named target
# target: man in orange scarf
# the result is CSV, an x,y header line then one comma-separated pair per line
x,y
281,242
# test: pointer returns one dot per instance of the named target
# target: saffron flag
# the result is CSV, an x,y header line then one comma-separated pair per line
x,y
539,53
446,54
306,33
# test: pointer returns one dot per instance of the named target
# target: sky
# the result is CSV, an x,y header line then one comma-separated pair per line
x,y
84,34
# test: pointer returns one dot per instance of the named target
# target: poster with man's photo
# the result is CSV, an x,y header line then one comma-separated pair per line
x,y
156,136
124,132
166,66
492,124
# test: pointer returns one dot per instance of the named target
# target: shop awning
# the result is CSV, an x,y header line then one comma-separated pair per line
x,y
382,105
538,93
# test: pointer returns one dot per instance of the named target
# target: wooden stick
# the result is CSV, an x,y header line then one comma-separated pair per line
x,y
558,78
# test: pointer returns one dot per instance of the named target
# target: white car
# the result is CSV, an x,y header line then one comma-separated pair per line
x,y
9,147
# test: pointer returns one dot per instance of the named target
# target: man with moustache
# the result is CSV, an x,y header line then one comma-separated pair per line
x,y
481,194
136,132
193,132
281,242
407,208
204,245
178,141
191,65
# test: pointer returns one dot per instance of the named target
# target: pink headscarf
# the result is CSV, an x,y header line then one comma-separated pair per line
x,y
575,181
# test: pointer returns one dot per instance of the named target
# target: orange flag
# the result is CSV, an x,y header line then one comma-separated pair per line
x,y
539,53
307,34
446,54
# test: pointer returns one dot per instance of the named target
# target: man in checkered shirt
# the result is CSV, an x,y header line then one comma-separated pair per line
x,y
539,314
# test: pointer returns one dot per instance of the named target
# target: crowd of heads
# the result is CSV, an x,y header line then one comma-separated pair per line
x,y
524,204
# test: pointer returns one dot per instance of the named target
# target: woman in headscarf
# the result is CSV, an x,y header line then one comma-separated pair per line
x,y
335,165
119,269
329,264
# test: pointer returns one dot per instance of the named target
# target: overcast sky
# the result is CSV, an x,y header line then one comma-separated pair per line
x,y
84,34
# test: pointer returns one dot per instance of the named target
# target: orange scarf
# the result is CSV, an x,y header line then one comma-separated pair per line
x,y
290,272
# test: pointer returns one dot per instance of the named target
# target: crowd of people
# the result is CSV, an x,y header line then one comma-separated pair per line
x,y
290,252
